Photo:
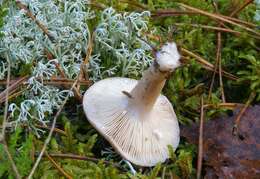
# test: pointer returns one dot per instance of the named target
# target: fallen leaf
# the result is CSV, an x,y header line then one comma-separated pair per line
x,y
226,155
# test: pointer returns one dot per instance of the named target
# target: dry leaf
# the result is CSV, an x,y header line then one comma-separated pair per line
x,y
227,155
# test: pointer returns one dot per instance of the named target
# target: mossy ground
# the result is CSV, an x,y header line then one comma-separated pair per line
x,y
239,53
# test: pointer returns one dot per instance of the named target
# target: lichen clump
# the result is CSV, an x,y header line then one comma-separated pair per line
x,y
32,52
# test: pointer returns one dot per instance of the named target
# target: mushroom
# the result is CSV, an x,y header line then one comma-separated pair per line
x,y
133,116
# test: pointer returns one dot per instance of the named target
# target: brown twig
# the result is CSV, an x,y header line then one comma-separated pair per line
x,y
79,157
219,44
220,29
51,132
231,106
49,55
16,94
200,152
134,4
89,48
210,28
248,24
206,64
218,57
2,137
60,70
57,166
52,81
12,87
57,130
15,170
242,111
57,65
220,18
236,11
216,65
28,13
171,12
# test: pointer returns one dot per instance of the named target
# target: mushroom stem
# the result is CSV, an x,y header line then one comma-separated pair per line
x,y
148,89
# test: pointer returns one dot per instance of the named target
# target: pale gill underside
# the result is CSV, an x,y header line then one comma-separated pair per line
x,y
143,141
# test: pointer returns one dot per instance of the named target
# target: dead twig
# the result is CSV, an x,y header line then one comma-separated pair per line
x,y
200,152
57,130
12,87
57,166
79,157
241,112
171,12
218,61
2,137
53,81
51,132
205,63
220,18
236,11
134,4
29,14
216,66
15,170
83,71
49,55
230,106
219,29
248,24
57,65
219,44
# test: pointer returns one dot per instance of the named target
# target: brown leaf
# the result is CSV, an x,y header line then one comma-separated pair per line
x,y
227,155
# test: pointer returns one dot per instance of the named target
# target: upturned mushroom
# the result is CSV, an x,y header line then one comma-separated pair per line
x,y
133,116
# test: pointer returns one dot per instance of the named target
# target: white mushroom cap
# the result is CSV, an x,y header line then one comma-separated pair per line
x,y
140,139
133,116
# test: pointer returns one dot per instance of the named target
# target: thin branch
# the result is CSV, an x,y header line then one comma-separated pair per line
x,y
200,152
215,69
49,55
52,81
220,67
79,157
57,130
236,11
2,137
242,111
50,133
6,100
15,170
171,12
218,62
12,87
83,71
231,106
206,64
220,29
28,13
57,166
219,17
134,4
248,24
57,65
